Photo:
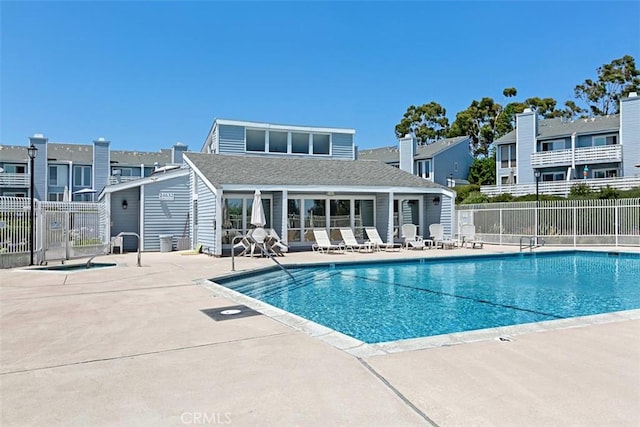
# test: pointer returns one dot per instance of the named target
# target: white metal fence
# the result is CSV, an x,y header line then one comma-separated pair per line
x,y
62,230
613,222
560,188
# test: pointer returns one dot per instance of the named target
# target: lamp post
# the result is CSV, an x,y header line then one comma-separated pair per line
x,y
33,152
537,174
451,180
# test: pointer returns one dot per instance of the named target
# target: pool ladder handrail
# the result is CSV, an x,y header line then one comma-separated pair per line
x,y
534,242
263,250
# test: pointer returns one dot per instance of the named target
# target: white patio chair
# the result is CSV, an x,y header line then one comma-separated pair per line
x,y
351,243
468,236
323,243
378,243
411,238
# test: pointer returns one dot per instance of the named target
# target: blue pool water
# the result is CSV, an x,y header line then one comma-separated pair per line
x,y
378,302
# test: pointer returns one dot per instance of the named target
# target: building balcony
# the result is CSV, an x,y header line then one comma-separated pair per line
x,y
588,155
18,180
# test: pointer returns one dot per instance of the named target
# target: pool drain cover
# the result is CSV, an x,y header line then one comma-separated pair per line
x,y
231,312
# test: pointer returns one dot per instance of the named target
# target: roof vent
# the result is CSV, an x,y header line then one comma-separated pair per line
x,y
179,144
101,139
527,110
633,94
38,135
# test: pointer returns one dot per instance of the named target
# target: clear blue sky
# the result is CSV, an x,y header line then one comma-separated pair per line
x,y
146,75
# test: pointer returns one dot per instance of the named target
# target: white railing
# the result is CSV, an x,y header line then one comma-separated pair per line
x,y
565,222
560,188
62,230
117,180
605,153
14,179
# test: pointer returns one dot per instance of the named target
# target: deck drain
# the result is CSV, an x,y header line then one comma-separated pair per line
x,y
230,312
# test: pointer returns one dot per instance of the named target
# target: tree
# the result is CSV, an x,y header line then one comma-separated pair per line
x,y
427,122
615,80
478,122
483,171
484,121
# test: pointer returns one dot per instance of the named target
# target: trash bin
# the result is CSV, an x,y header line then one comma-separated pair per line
x,y
166,242
183,243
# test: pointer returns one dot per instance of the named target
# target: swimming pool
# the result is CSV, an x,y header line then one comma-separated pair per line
x,y
388,301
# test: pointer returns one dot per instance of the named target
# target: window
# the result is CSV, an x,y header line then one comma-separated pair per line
x,y
552,145
277,142
605,173
294,226
82,176
508,156
53,176
55,197
423,169
339,216
15,168
601,140
236,216
321,144
508,179
315,216
299,143
553,176
255,140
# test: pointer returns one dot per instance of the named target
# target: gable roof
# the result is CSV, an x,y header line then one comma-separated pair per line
x,y
226,169
391,154
560,127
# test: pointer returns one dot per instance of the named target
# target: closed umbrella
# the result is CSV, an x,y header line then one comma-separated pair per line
x,y
257,211
66,196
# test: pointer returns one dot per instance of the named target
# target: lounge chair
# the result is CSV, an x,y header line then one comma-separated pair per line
x,y
351,243
276,244
411,238
258,238
323,243
378,243
437,234
468,236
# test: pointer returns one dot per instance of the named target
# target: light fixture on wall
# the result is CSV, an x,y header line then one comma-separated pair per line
x,y
125,205
436,200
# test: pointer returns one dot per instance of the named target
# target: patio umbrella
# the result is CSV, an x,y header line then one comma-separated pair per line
x,y
257,211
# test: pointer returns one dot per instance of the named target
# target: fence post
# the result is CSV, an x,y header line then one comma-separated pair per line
x,y
616,208
500,229
575,225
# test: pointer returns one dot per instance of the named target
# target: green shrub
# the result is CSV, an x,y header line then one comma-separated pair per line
x,y
579,190
608,193
475,197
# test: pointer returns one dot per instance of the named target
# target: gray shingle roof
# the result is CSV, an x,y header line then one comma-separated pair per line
x,y
141,157
558,127
83,154
392,154
258,170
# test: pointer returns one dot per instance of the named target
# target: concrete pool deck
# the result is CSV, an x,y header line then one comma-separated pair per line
x,y
130,346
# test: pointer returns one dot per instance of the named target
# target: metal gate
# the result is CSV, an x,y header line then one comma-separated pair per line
x,y
62,230
72,230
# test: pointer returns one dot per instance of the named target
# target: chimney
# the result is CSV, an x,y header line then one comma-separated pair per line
x,y
408,146
101,164
177,151
41,171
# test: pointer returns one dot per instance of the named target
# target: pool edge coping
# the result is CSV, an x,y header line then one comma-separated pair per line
x,y
361,349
